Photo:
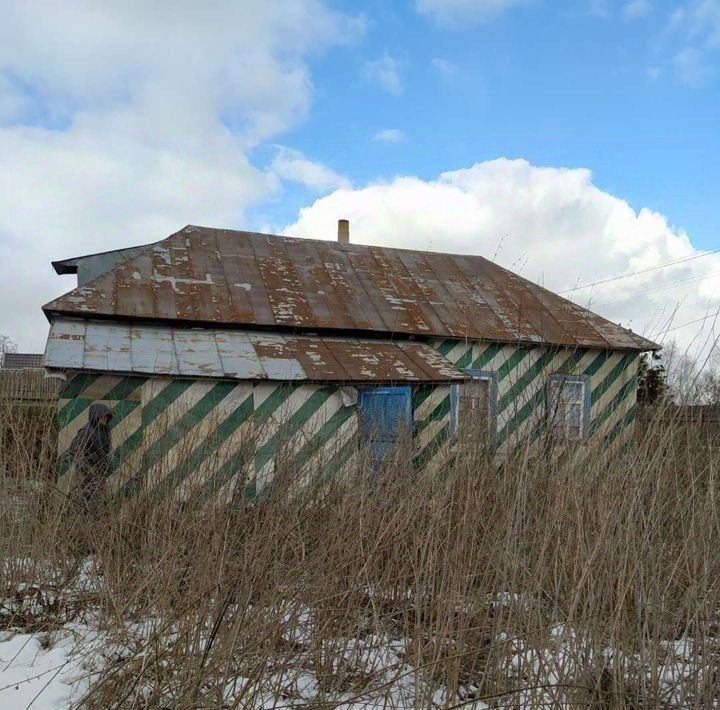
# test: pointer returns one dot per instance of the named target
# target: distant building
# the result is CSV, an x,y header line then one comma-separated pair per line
x,y
21,361
216,349
23,379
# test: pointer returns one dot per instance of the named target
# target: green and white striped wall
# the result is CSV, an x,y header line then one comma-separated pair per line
x,y
202,438
522,374
205,439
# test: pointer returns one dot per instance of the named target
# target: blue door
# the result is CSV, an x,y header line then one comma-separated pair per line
x,y
385,413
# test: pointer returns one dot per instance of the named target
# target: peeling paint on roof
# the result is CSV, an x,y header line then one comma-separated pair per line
x,y
163,350
221,278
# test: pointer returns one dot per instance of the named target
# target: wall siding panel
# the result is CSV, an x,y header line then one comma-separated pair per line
x,y
216,440
523,373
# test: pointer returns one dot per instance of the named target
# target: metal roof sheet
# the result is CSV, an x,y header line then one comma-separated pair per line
x,y
91,266
235,354
228,278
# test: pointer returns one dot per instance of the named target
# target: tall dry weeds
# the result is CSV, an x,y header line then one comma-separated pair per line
x,y
585,579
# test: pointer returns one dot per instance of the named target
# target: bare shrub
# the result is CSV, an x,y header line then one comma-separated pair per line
x,y
583,578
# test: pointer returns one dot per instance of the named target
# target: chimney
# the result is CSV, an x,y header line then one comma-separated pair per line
x,y
343,231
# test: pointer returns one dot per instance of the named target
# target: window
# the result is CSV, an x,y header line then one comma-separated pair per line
x,y
569,406
385,413
472,403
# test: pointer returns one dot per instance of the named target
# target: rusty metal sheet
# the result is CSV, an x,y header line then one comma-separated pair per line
x,y
400,293
429,359
128,289
535,319
475,301
244,283
147,349
228,278
440,303
277,357
573,321
374,360
347,287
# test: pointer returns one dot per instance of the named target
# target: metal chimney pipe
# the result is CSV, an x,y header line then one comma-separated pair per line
x,y
343,231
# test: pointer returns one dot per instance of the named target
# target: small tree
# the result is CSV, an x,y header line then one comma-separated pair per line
x,y
652,380
6,346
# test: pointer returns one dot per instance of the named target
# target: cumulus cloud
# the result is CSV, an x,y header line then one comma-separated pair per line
x,y
389,135
457,12
551,224
385,73
121,123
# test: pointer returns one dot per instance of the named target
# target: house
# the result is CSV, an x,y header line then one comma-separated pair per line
x,y
218,349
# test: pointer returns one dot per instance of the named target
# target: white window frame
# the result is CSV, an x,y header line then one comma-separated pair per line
x,y
486,376
555,384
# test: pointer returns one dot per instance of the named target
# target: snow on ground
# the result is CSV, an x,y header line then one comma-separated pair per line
x,y
42,670
49,671
52,649
53,670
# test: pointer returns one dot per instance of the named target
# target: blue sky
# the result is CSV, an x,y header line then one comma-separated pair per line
x,y
562,84
570,141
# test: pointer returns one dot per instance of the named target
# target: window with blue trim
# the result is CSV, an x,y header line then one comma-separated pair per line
x,y
569,406
385,414
473,403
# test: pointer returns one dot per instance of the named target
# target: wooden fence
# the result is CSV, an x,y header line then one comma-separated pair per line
x,y
703,418
29,386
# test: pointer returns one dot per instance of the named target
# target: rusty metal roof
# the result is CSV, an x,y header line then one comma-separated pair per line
x,y
163,350
220,277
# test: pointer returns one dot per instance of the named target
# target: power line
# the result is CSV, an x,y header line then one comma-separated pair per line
x,y
642,271
671,284
697,320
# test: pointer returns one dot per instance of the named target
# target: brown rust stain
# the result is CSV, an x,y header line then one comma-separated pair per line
x,y
223,277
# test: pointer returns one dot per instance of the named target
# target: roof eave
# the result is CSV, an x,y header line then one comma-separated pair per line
x,y
643,344
66,266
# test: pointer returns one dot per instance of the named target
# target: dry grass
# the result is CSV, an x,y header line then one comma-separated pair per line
x,y
536,580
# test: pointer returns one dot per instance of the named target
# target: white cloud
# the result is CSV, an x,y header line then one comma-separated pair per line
x,y
636,9
385,73
556,221
654,72
292,165
389,135
124,122
697,25
457,12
